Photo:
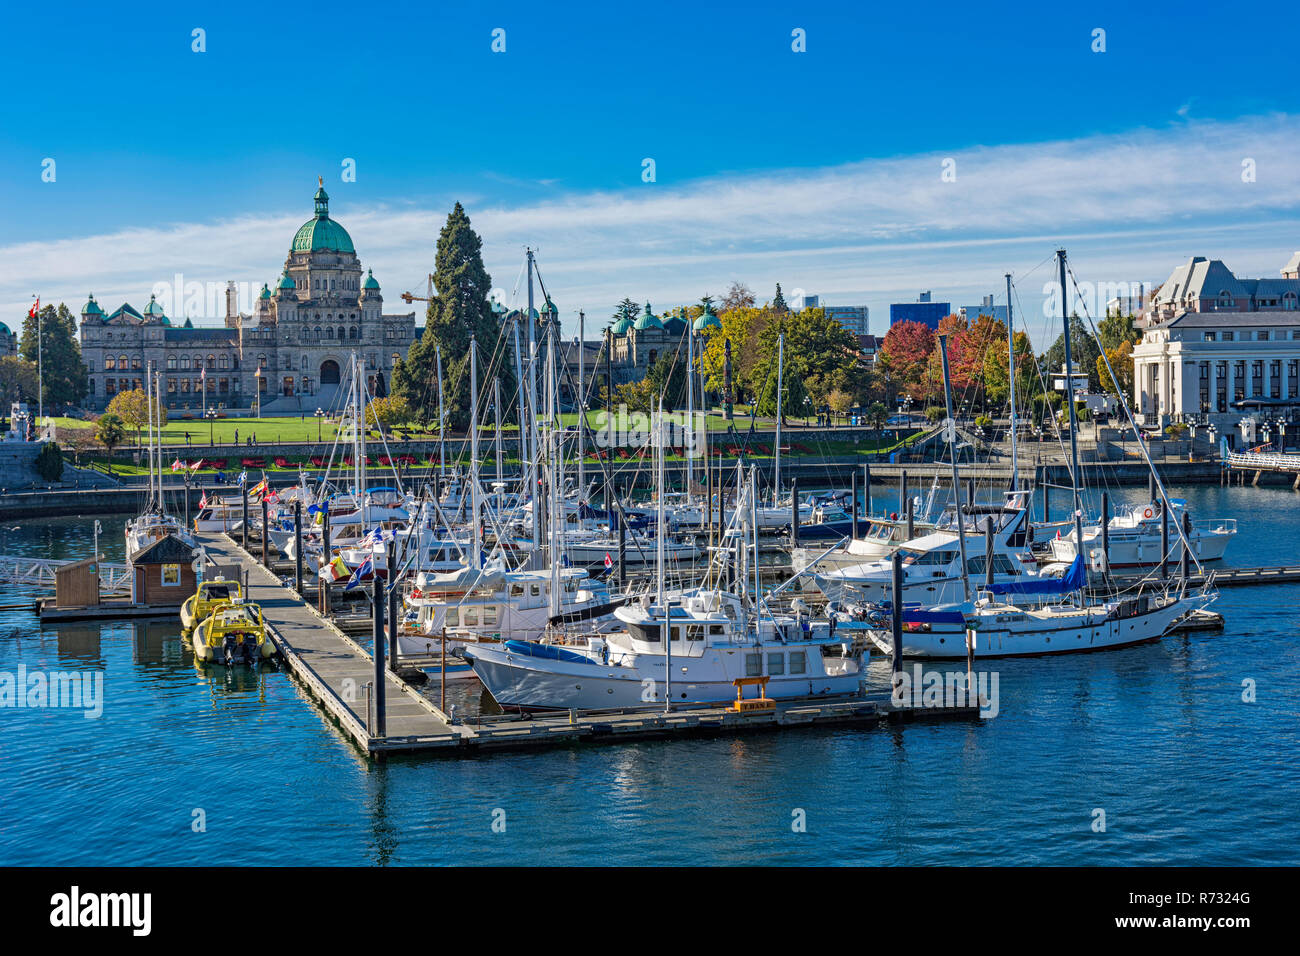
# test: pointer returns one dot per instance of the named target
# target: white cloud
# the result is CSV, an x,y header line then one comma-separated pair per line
x,y
1128,207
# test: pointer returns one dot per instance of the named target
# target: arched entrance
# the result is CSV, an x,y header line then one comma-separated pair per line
x,y
329,372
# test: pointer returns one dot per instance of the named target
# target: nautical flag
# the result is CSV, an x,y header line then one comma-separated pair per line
x,y
242,479
609,562
363,569
336,570
177,465
259,488
271,497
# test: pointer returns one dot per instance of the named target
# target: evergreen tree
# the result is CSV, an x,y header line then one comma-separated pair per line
x,y
59,355
778,303
460,310
627,309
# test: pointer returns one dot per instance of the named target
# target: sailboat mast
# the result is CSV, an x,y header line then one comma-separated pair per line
x,y
555,511
1074,424
664,631
688,433
582,407
951,427
476,561
532,405
776,467
442,421
496,411
1011,379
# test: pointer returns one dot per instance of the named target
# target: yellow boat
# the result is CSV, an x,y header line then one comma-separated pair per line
x,y
233,633
200,604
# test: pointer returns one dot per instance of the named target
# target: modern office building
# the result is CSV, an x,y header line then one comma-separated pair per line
x,y
924,310
854,318
1217,348
972,312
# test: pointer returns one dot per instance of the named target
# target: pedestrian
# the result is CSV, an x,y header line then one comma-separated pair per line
x,y
187,438
236,436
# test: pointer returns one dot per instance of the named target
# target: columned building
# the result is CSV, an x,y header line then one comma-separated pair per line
x,y
1217,348
288,356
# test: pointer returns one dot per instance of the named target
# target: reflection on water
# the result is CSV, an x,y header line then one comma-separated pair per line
x,y
1158,735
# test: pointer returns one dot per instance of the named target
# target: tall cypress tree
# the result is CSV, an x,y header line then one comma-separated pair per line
x,y
460,309
778,303
59,355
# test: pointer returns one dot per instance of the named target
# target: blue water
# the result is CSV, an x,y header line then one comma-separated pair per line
x,y
1156,736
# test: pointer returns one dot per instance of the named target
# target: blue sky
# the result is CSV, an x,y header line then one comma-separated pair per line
x,y
820,170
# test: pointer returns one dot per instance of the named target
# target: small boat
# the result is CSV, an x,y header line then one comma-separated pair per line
x,y
234,633
1134,537
201,603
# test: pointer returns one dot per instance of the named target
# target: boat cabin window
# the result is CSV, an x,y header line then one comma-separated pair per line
x,y
490,615
1001,565
469,617
798,662
453,617
927,558
695,632
536,591
717,630
570,586
753,665
516,590
775,663
216,592
676,633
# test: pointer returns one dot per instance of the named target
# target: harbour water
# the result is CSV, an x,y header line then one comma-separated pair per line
x,y
1158,737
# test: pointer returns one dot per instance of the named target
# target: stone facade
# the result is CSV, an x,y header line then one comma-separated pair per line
x,y
1216,347
288,356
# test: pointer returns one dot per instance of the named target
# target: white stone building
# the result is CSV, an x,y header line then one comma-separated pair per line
x,y
1217,348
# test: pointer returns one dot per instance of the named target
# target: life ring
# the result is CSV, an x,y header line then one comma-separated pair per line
x,y
1148,513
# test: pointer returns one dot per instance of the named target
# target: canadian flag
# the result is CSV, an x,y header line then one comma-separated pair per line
x,y
609,562
36,307
178,465
203,501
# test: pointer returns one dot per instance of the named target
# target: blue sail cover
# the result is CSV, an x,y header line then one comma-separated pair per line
x,y
1072,580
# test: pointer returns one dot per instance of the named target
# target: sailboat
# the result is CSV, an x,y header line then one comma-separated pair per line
x,y
997,621
154,523
689,650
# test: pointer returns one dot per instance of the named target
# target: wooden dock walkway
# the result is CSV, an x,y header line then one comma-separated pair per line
x,y
337,670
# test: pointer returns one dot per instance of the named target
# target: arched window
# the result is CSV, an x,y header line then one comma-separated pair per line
x,y
212,360
304,364
342,334
329,332
198,362
225,362
352,332
1225,299
185,363
122,362
261,361
318,333
171,363
1289,301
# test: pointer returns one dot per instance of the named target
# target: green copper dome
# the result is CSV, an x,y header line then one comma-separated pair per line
x,y
648,320
286,283
621,326
265,293
675,324
371,284
92,307
154,311
321,233
707,320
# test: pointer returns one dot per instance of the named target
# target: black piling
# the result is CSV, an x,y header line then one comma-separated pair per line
x,y
381,718
794,512
1187,548
266,523
896,611
243,508
297,551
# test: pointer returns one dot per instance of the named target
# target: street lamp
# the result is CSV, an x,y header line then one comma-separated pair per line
x,y
211,416
320,414
257,386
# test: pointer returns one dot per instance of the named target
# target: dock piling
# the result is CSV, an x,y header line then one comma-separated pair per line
x,y
266,563
297,551
380,729
896,611
855,505
866,490
243,524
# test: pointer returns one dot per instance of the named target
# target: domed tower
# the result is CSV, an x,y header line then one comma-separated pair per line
x,y
371,301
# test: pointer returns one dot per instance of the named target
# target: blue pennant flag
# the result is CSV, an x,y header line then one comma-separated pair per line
x,y
242,479
362,570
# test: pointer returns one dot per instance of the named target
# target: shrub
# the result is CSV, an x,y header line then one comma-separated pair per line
x,y
49,462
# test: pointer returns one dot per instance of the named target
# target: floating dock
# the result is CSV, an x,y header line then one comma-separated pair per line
x,y
340,674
